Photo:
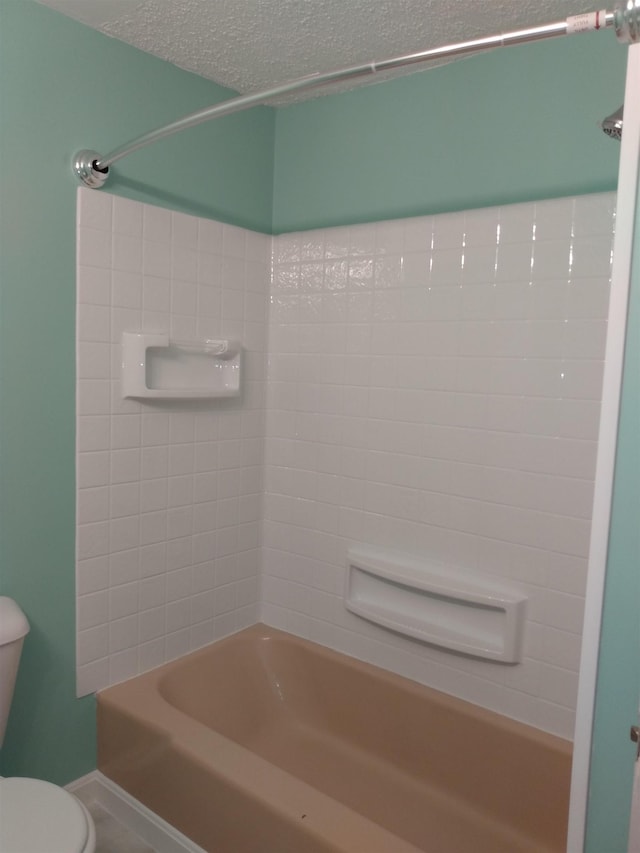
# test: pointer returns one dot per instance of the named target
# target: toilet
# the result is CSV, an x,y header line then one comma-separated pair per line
x,y
35,816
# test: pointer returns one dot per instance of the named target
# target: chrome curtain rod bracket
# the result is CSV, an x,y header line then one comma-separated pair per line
x,y
85,167
92,169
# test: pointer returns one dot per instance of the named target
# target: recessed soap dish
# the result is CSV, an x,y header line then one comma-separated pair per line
x,y
158,367
440,605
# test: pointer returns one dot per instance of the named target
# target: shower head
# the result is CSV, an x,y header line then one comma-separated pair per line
x,y
612,125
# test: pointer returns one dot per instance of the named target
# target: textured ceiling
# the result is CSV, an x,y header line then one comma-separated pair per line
x,y
249,45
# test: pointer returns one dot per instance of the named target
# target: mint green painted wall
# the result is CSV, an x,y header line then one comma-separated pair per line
x,y
63,87
512,125
618,686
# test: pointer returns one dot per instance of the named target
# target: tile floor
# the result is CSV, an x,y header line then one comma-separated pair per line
x,y
111,835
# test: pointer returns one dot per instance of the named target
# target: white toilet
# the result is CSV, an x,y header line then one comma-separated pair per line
x,y
35,816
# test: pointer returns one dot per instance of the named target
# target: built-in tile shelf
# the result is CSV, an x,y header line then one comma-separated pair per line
x,y
471,614
154,366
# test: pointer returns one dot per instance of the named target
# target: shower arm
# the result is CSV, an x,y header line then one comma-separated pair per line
x,y
92,169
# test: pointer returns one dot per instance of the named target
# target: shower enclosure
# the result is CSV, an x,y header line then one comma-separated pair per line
x,y
93,168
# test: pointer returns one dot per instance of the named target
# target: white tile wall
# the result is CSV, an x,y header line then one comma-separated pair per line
x,y
168,494
434,387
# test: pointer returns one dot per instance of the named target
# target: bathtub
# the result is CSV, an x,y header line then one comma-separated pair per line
x,y
267,743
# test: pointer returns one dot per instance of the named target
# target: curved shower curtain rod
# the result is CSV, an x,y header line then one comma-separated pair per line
x,y
92,169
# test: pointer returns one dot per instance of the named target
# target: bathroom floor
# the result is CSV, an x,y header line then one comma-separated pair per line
x,y
111,835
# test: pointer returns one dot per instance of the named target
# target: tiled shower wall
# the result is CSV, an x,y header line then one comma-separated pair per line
x,y
434,388
168,494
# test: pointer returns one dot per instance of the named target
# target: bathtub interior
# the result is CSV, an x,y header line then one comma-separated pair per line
x,y
431,770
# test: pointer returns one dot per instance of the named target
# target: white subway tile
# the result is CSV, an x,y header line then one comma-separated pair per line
x,y
123,633
479,263
154,462
418,234
559,686
177,644
579,418
184,264
153,527
125,431
92,644
93,610
544,339
157,224
592,257
554,219
448,231
184,230
94,285
594,215
183,327
581,380
588,299
125,466
152,624
92,469
124,500
155,429
127,253
94,323
151,654
209,236
234,241
517,223
92,575
123,567
124,533
94,360
179,583
92,505
178,614
156,261
510,301
152,592
567,573
94,209
123,320
92,677
153,559
123,600
93,396
127,217
123,665
514,262
584,338
126,289
481,227
184,297
94,248
547,300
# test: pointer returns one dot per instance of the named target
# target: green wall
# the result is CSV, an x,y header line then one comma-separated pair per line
x,y
63,87
511,125
618,687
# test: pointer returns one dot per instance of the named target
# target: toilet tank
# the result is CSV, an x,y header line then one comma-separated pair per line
x,y
13,629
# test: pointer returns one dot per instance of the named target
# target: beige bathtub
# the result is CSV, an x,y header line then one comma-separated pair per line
x,y
266,743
